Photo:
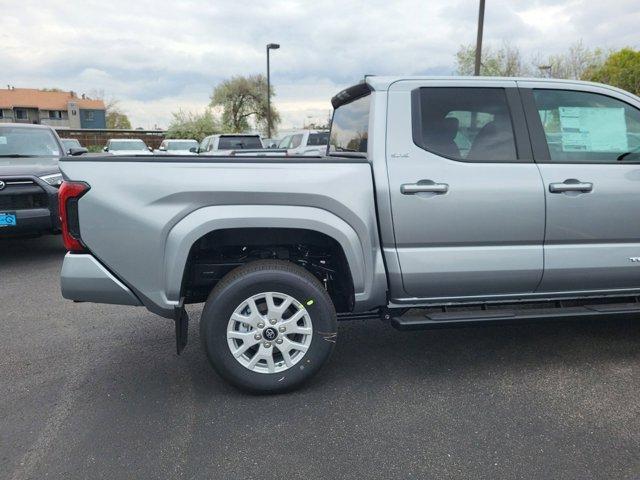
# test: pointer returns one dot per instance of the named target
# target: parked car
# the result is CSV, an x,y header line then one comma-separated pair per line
x,y
29,179
442,206
305,142
225,144
127,147
72,146
172,146
270,142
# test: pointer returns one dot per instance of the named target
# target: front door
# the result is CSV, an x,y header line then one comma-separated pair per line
x,y
587,145
467,200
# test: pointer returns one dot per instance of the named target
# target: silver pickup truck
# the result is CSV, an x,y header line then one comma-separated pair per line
x,y
441,202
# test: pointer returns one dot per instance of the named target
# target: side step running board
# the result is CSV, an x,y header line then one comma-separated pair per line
x,y
460,318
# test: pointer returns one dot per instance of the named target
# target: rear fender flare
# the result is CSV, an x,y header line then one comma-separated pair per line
x,y
208,219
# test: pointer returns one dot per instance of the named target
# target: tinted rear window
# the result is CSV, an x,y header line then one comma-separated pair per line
x,y
318,138
350,126
239,143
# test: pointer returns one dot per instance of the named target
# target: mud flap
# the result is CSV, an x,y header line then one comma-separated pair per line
x,y
181,317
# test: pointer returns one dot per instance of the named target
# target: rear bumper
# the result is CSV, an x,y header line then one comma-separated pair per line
x,y
84,279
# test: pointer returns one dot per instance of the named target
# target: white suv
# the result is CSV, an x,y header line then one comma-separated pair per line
x,y
305,142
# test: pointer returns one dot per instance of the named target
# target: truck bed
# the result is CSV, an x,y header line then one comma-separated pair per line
x,y
142,214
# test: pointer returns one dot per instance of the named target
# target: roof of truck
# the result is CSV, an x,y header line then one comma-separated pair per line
x,y
382,83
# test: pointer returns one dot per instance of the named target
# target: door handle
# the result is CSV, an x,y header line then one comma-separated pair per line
x,y
571,185
424,186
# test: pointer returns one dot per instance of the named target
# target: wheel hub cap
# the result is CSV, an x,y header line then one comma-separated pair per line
x,y
269,332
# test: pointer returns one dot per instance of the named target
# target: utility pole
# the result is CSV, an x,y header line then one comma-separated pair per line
x,y
479,39
270,46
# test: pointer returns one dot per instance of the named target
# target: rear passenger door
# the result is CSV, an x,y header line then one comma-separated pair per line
x,y
587,144
467,200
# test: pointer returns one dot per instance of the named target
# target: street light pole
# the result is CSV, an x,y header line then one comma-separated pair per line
x,y
270,46
479,39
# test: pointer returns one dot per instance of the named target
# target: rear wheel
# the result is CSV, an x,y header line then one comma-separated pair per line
x,y
268,326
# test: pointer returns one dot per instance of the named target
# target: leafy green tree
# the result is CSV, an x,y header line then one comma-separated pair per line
x,y
193,125
505,61
115,117
118,120
621,69
244,103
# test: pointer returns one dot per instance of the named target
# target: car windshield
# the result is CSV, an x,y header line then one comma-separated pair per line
x,y
127,145
182,145
28,142
321,138
239,142
70,143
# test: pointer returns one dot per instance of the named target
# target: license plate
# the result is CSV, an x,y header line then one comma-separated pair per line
x,y
7,219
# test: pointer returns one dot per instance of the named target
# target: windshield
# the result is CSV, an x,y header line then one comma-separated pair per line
x,y
350,126
28,141
321,138
239,142
182,145
127,145
70,143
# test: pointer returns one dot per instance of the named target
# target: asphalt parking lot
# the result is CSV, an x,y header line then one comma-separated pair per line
x,y
96,391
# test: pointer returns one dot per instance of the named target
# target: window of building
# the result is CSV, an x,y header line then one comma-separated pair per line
x,y
55,114
88,116
20,113
463,123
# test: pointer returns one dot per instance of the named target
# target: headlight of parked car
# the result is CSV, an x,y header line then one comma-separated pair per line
x,y
54,179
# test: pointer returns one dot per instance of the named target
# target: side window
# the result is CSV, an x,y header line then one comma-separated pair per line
x,y
464,123
296,140
586,127
284,143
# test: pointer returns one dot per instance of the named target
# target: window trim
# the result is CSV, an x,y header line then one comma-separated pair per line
x,y
539,143
516,115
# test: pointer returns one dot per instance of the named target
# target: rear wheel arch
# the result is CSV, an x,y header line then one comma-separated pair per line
x,y
268,226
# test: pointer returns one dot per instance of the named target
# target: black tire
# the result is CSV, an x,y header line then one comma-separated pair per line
x,y
252,279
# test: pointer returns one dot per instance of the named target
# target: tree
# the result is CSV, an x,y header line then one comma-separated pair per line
x,y
116,118
193,125
244,103
505,61
621,69
572,65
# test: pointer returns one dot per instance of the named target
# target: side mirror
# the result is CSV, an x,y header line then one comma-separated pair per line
x,y
162,149
105,149
193,149
150,149
77,151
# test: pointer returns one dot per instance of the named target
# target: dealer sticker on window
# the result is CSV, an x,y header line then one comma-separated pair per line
x,y
7,219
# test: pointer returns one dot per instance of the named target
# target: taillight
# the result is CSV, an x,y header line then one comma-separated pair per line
x,y
68,196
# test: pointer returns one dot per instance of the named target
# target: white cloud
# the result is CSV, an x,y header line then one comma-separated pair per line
x,y
157,57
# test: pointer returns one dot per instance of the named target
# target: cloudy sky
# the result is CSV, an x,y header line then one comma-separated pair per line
x,y
160,56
